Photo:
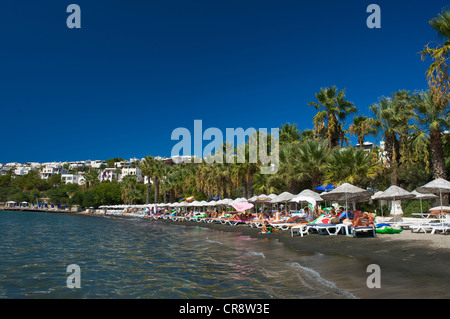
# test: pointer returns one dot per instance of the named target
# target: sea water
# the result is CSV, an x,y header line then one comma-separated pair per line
x,y
136,258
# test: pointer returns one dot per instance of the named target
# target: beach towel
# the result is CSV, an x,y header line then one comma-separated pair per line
x,y
318,219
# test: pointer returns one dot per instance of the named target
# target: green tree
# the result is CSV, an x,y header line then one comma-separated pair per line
x,y
351,165
333,108
289,133
153,170
437,73
361,127
305,161
392,121
432,122
91,178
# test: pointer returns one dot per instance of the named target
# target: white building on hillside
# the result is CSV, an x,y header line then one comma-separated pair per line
x,y
52,169
136,171
23,170
107,174
73,179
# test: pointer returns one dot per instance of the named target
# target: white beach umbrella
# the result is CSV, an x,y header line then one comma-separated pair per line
x,y
437,186
394,193
224,202
444,209
347,192
238,200
212,203
283,197
308,199
421,196
309,193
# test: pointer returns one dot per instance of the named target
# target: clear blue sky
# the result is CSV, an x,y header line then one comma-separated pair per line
x,y
136,70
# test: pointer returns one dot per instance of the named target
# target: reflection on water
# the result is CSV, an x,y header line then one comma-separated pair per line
x,y
122,258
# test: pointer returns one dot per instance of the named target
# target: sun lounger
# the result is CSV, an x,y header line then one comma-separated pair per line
x,y
364,229
177,218
283,226
440,228
423,215
302,229
330,229
255,223
234,222
424,226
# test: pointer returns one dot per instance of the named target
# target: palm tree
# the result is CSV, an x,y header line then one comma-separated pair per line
x,y
361,127
289,133
333,108
128,188
146,166
351,165
91,178
437,73
152,169
392,119
304,161
433,120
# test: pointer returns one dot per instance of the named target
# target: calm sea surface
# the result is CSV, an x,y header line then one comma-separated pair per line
x,y
134,258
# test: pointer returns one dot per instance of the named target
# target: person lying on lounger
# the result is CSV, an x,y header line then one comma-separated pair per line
x,y
364,220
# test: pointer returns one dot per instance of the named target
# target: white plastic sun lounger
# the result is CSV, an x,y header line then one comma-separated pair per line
x,y
283,226
300,229
330,229
425,226
440,228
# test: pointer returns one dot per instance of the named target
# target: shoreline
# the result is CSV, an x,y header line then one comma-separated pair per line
x,y
414,255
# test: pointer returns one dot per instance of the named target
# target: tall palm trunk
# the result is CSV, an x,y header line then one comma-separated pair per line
x,y
250,186
149,188
437,153
333,131
392,150
156,182
244,188
293,186
172,195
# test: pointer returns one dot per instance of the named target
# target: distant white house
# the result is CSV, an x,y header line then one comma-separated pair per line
x,y
23,170
135,171
95,164
76,166
122,164
177,159
108,174
52,169
73,179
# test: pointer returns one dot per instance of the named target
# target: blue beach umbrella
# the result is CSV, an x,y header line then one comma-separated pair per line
x,y
326,188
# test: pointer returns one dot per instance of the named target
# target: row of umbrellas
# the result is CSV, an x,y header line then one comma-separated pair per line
x,y
427,191
346,191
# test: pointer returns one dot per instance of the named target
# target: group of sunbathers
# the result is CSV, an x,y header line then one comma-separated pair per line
x,y
334,216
